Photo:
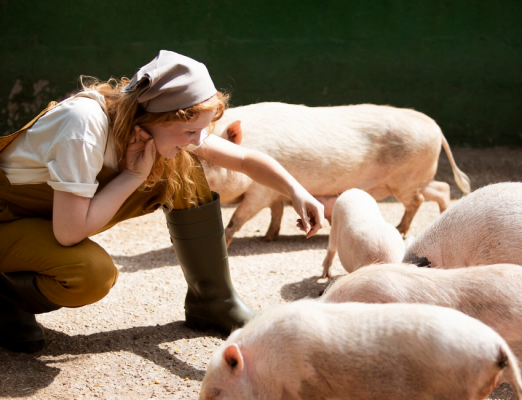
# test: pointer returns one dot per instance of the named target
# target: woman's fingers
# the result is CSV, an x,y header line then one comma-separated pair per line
x,y
141,152
300,225
311,221
144,135
305,221
139,137
315,226
150,152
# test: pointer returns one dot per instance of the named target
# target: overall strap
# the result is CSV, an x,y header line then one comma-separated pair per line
x,y
6,139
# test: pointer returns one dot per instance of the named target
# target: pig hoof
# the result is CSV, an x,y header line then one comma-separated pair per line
x,y
271,234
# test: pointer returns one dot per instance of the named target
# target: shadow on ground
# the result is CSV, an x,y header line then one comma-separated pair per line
x,y
142,341
242,246
309,288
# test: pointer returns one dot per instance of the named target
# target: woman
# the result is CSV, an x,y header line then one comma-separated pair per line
x,y
113,152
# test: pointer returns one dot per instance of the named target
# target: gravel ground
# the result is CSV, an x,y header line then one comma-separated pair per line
x,y
133,344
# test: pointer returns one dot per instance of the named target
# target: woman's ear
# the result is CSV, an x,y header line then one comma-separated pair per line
x,y
233,358
234,132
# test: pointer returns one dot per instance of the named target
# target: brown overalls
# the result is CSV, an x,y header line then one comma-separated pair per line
x,y
67,276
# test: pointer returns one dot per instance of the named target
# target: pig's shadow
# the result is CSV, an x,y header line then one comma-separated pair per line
x,y
309,288
240,246
36,371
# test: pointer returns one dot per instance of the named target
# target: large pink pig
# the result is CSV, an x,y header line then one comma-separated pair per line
x,y
309,350
484,227
383,150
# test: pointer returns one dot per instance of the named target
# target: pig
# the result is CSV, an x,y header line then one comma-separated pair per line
x,y
383,150
489,293
482,228
360,234
312,350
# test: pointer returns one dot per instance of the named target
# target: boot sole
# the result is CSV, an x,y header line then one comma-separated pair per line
x,y
202,324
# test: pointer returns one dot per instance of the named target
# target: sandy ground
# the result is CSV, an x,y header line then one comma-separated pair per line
x,y
133,344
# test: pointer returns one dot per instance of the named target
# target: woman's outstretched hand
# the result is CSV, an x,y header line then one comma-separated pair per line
x,y
141,153
311,212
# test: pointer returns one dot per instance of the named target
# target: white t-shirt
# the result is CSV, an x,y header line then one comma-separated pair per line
x,y
66,148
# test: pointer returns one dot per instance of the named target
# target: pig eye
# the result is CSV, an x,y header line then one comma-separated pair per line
x,y
215,393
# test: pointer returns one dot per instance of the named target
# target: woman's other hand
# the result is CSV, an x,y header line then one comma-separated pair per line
x,y
141,153
76,217
311,212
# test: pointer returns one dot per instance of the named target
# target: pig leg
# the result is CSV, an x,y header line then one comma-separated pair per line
x,y
272,233
253,202
411,202
330,253
327,263
439,192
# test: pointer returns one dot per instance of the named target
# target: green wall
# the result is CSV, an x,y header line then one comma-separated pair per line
x,y
458,61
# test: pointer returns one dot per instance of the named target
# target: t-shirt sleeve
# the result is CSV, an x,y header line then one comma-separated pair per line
x,y
76,156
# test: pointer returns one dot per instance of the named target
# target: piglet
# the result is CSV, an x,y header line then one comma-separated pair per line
x,y
482,228
360,234
313,350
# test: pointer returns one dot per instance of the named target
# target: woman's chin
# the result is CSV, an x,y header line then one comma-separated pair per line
x,y
172,153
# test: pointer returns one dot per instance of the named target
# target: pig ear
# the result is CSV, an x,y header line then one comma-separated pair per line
x,y
234,132
233,358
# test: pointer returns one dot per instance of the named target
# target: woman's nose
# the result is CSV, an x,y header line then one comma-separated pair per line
x,y
196,140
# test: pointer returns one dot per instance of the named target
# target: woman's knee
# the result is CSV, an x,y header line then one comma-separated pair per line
x,y
86,278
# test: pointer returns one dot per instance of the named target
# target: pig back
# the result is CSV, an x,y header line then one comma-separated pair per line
x,y
355,206
361,234
322,146
489,293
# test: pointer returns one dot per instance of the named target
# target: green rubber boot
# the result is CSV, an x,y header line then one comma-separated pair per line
x,y
20,300
198,238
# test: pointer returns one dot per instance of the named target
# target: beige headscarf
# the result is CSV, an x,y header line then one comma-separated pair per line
x,y
171,82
